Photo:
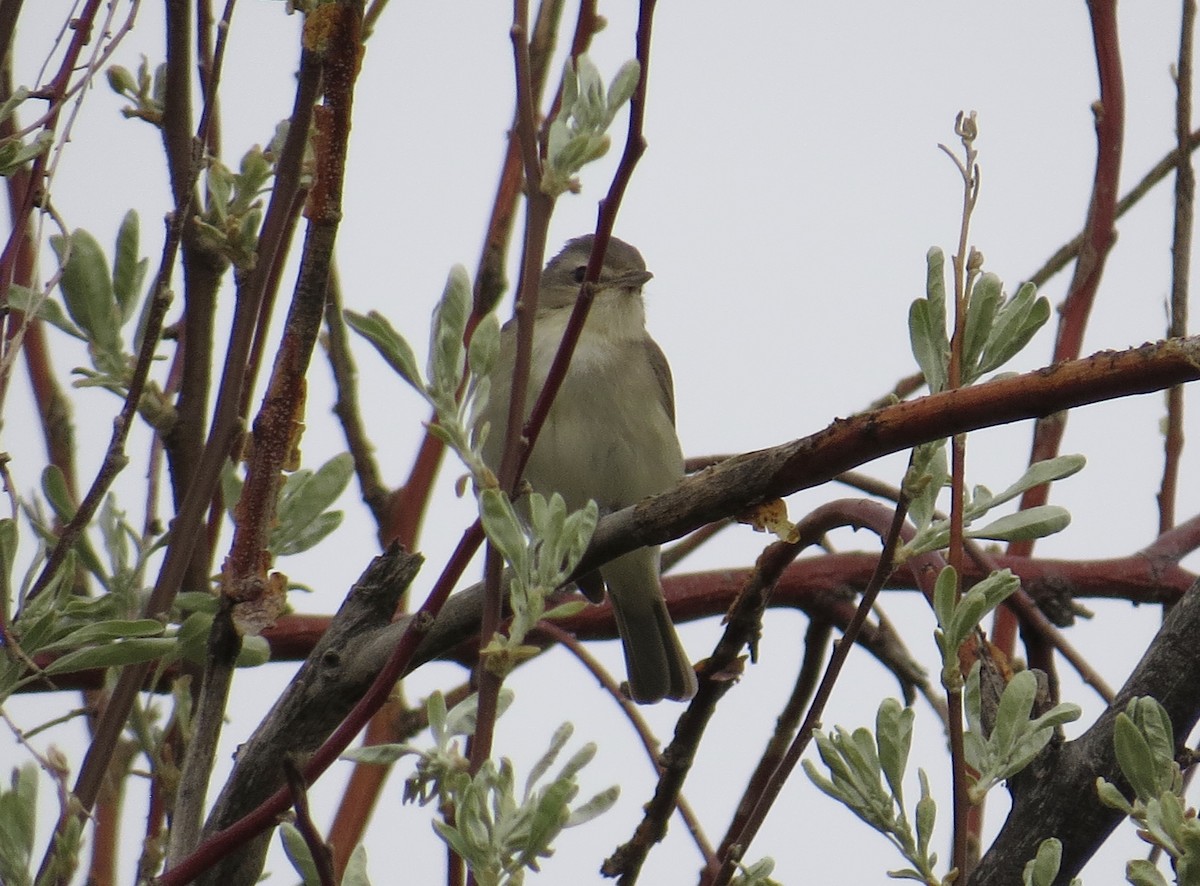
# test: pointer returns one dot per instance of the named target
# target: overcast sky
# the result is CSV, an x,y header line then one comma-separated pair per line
x,y
790,191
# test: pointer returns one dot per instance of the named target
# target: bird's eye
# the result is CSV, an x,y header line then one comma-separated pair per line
x,y
579,274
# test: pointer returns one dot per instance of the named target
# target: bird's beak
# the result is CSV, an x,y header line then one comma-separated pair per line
x,y
628,280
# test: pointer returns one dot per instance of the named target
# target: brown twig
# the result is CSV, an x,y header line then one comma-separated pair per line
x,y
250,597
224,426
649,740
816,638
740,842
1181,254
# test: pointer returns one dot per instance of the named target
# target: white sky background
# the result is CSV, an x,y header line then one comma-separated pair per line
x,y
790,191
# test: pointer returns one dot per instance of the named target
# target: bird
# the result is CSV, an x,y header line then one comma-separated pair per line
x,y
609,437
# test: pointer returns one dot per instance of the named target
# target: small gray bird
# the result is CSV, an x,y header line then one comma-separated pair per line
x,y
610,436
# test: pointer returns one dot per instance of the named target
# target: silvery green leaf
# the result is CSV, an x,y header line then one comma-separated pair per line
x,y
822,783
132,651
972,700
977,602
356,868
446,351
24,299
503,528
906,874
390,344
461,719
485,345
255,651
1061,713
1046,471
1012,716
87,289
1135,757
561,736
10,104
558,137
1141,872
595,807
15,153
578,760
893,731
933,349
591,91
1043,867
976,753
129,272
1155,725
924,480
303,519
436,713
570,88
105,632
1031,523
926,341
926,817
944,589
18,816
623,86
1017,321
298,853
982,305
377,754
1112,797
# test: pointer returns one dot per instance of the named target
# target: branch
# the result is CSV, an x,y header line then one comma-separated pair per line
x,y
1057,797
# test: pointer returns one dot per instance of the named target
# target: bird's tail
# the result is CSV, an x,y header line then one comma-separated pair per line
x,y
655,660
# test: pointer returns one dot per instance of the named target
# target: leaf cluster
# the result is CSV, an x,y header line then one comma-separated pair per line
x,y
1144,741
577,135
500,832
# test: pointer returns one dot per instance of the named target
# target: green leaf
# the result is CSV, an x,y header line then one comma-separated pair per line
x,y
87,288
503,529
1012,715
54,487
1141,872
1135,757
255,651
1016,323
106,632
1112,797
25,299
114,655
1043,867
1041,472
927,324
378,754
893,732
623,85
982,305
13,101
446,351
303,519
944,590
390,344
18,816
299,854
485,345
129,272
356,868
15,153
1025,525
